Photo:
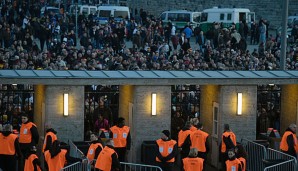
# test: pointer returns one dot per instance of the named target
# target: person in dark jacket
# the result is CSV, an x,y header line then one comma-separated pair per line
x,y
32,163
28,136
166,150
9,149
108,158
95,148
288,142
50,137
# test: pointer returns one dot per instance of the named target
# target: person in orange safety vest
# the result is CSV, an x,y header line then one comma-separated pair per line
x,y
58,156
241,155
192,162
199,141
32,163
9,149
166,150
107,159
289,143
28,137
228,142
233,164
122,139
94,149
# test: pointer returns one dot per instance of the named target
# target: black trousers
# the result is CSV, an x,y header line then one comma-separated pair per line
x,y
121,154
8,162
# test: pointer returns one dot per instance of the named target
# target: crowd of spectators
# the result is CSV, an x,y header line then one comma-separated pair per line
x,y
31,41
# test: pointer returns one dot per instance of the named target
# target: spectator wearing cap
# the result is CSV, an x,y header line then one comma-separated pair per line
x,y
166,150
28,136
122,139
9,149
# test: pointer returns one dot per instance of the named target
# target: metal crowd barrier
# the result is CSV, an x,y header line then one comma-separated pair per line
x,y
78,166
255,154
278,160
74,150
260,158
138,167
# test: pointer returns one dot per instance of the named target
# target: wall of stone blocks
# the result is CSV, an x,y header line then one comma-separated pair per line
x,y
145,126
267,9
68,127
289,102
244,126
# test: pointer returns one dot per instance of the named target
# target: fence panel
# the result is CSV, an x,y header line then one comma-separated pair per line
x,y
255,155
74,151
78,166
276,160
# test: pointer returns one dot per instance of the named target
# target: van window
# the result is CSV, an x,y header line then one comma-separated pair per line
x,y
85,11
197,17
163,16
222,17
93,10
120,14
229,17
204,17
104,13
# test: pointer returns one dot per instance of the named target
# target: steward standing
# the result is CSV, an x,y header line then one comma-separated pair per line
x,y
192,162
166,151
199,141
289,144
32,163
122,139
94,149
9,148
107,159
228,142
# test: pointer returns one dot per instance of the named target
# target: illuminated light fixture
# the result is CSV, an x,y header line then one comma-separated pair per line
x,y
153,104
271,84
65,102
239,103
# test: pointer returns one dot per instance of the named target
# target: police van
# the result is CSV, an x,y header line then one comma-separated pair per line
x,y
118,13
83,9
181,18
226,16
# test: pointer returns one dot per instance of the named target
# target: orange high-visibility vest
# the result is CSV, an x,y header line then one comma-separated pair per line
x,y
182,136
193,128
104,159
29,163
165,148
233,165
92,149
7,144
53,136
223,145
25,133
191,164
56,163
120,136
198,140
242,160
283,143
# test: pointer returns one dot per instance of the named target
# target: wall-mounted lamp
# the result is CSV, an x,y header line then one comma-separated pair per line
x,y
153,104
239,103
65,102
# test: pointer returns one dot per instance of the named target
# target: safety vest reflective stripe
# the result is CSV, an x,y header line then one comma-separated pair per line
x,y
166,148
233,165
233,138
92,149
191,164
7,144
198,140
182,136
56,163
104,159
25,133
284,145
53,136
120,136
29,163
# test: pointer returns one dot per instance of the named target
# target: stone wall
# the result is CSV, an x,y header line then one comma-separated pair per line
x,y
267,9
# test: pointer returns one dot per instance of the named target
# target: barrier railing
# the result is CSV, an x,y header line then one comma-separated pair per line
x,y
255,154
140,167
74,150
276,160
78,166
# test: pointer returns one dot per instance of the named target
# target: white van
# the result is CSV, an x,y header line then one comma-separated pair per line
x,y
226,16
180,18
84,9
119,13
